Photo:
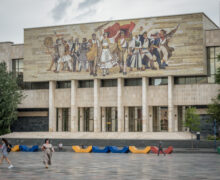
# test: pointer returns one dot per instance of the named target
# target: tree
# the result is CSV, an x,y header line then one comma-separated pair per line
x,y
214,108
192,121
10,97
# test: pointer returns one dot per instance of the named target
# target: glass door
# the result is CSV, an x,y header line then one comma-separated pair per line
x,y
111,119
135,119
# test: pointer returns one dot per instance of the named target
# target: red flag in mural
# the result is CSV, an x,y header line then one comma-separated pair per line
x,y
127,28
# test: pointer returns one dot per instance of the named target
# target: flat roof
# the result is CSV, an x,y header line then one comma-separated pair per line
x,y
123,20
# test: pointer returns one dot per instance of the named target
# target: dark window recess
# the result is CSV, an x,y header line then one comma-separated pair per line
x,y
35,85
85,84
109,83
158,81
133,82
32,109
191,80
63,84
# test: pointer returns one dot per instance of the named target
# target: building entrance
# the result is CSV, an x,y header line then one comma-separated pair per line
x,y
111,119
135,119
63,119
160,119
88,119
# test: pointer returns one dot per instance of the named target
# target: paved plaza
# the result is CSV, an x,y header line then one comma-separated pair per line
x,y
69,165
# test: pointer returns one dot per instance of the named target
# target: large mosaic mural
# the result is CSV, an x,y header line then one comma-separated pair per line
x,y
151,46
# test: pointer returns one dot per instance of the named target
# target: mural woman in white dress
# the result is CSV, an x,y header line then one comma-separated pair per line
x,y
106,60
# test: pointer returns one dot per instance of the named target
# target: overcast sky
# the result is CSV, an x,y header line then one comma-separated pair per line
x,y
15,15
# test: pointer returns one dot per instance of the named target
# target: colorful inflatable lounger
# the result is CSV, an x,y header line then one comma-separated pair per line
x,y
15,148
133,149
218,149
24,148
114,149
96,149
169,150
78,149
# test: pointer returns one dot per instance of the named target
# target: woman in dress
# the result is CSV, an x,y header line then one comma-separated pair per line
x,y
5,146
48,150
106,59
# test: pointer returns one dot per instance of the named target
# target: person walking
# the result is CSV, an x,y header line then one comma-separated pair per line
x,y
160,149
6,148
48,149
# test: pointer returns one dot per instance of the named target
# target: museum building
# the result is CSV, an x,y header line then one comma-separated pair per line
x,y
159,67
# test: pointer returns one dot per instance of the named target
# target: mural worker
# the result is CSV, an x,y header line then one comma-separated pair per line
x,y
83,61
106,59
92,55
74,52
155,49
48,149
6,148
67,59
147,57
165,50
135,50
122,52
61,49
53,50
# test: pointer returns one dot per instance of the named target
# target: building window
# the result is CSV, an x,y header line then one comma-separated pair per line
x,y
158,81
212,62
191,80
63,84
35,85
109,83
17,70
17,67
85,84
133,82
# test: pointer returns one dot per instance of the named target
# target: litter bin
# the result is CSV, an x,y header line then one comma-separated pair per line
x,y
198,135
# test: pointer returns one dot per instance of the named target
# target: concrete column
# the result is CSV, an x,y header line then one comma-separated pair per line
x,y
60,122
170,104
52,108
150,123
81,120
97,112
145,112
120,105
103,119
73,109
135,118
159,118
175,122
126,119
113,119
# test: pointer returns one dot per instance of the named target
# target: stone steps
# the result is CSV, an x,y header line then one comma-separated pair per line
x,y
102,135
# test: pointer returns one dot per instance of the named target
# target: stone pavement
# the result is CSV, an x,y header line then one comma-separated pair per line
x,y
69,165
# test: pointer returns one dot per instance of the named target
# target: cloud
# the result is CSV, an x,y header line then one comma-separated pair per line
x,y
59,10
88,13
87,3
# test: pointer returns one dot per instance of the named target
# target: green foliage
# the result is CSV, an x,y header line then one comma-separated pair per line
x,y
10,97
211,137
214,110
192,120
217,76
